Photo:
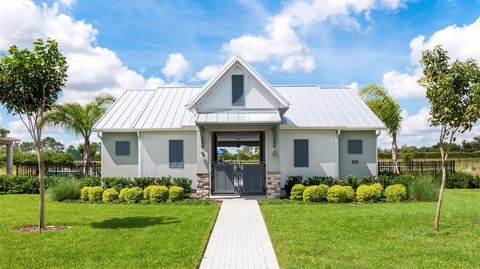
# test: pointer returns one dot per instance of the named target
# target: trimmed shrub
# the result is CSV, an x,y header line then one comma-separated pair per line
x,y
110,195
387,179
338,193
460,180
297,192
315,193
131,195
176,193
159,194
368,180
423,189
84,193
329,181
350,181
89,181
95,194
183,182
143,182
66,189
291,181
395,193
117,183
369,193
146,192
19,184
163,181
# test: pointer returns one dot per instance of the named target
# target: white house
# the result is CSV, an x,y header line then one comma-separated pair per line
x,y
298,129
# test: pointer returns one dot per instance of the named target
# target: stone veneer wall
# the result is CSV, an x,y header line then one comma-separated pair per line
x,y
274,189
203,185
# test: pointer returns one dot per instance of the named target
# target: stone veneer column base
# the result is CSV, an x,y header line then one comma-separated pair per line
x,y
274,189
203,185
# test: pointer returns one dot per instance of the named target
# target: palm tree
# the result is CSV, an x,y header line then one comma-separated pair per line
x,y
388,111
79,119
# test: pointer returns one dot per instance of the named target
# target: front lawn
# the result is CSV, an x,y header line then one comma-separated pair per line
x,y
104,235
383,235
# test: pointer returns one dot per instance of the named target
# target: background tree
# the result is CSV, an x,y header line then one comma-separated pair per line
x,y
94,150
51,144
388,111
24,147
453,90
4,132
30,81
80,119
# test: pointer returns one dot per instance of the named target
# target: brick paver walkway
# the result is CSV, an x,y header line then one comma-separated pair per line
x,y
239,239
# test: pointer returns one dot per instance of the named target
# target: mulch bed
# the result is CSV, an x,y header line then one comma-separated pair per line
x,y
33,229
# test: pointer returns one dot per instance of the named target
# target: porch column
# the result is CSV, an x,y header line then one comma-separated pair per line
x,y
203,185
9,158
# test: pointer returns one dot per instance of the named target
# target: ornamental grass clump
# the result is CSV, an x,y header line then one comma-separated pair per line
x,y
110,195
369,193
338,193
65,189
315,193
395,193
158,194
423,189
297,192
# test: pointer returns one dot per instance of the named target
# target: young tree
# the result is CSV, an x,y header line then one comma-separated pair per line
x,y
388,111
30,81
80,119
453,90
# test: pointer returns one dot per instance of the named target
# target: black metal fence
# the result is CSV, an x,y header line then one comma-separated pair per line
x,y
58,169
432,167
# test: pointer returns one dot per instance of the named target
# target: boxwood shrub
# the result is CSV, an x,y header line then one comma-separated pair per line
x,y
395,193
146,192
315,193
131,195
338,193
95,194
158,194
84,193
297,192
110,195
369,193
176,193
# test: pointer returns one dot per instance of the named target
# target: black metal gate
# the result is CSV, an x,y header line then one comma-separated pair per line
x,y
238,178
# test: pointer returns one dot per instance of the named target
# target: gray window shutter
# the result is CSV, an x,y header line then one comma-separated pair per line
x,y
300,158
237,90
175,149
122,148
355,146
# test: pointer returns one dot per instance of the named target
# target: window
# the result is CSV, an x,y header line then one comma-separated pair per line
x,y
237,90
122,148
176,153
355,147
300,149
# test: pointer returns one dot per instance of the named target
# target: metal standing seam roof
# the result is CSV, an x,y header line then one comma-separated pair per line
x,y
310,107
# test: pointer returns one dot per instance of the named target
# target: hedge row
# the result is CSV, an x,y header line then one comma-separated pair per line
x,y
152,194
29,184
434,155
338,193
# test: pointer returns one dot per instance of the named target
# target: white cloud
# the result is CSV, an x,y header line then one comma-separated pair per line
x,y
462,42
176,66
353,85
92,69
283,45
67,3
208,72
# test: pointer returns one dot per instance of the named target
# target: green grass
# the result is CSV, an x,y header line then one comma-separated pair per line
x,y
104,236
383,235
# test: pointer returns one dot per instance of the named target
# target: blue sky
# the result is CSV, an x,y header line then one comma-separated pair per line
x,y
114,45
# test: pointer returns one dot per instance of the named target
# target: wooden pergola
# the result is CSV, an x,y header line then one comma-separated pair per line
x,y
8,141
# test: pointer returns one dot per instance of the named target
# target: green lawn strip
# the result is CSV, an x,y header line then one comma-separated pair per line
x,y
389,235
104,235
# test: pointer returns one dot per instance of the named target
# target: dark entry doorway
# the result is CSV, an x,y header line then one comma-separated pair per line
x,y
238,166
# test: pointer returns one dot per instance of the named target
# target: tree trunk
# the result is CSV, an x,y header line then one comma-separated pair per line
x,y
396,170
86,157
442,188
41,181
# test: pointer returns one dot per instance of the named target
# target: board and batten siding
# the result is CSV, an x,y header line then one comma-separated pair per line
x,y
364,164
220,97
119,165
154,154
322,154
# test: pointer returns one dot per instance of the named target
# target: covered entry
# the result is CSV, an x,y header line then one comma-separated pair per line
x,y
238,166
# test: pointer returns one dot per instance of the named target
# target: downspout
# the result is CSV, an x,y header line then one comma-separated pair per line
x,y
339,131
140,145
377,133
